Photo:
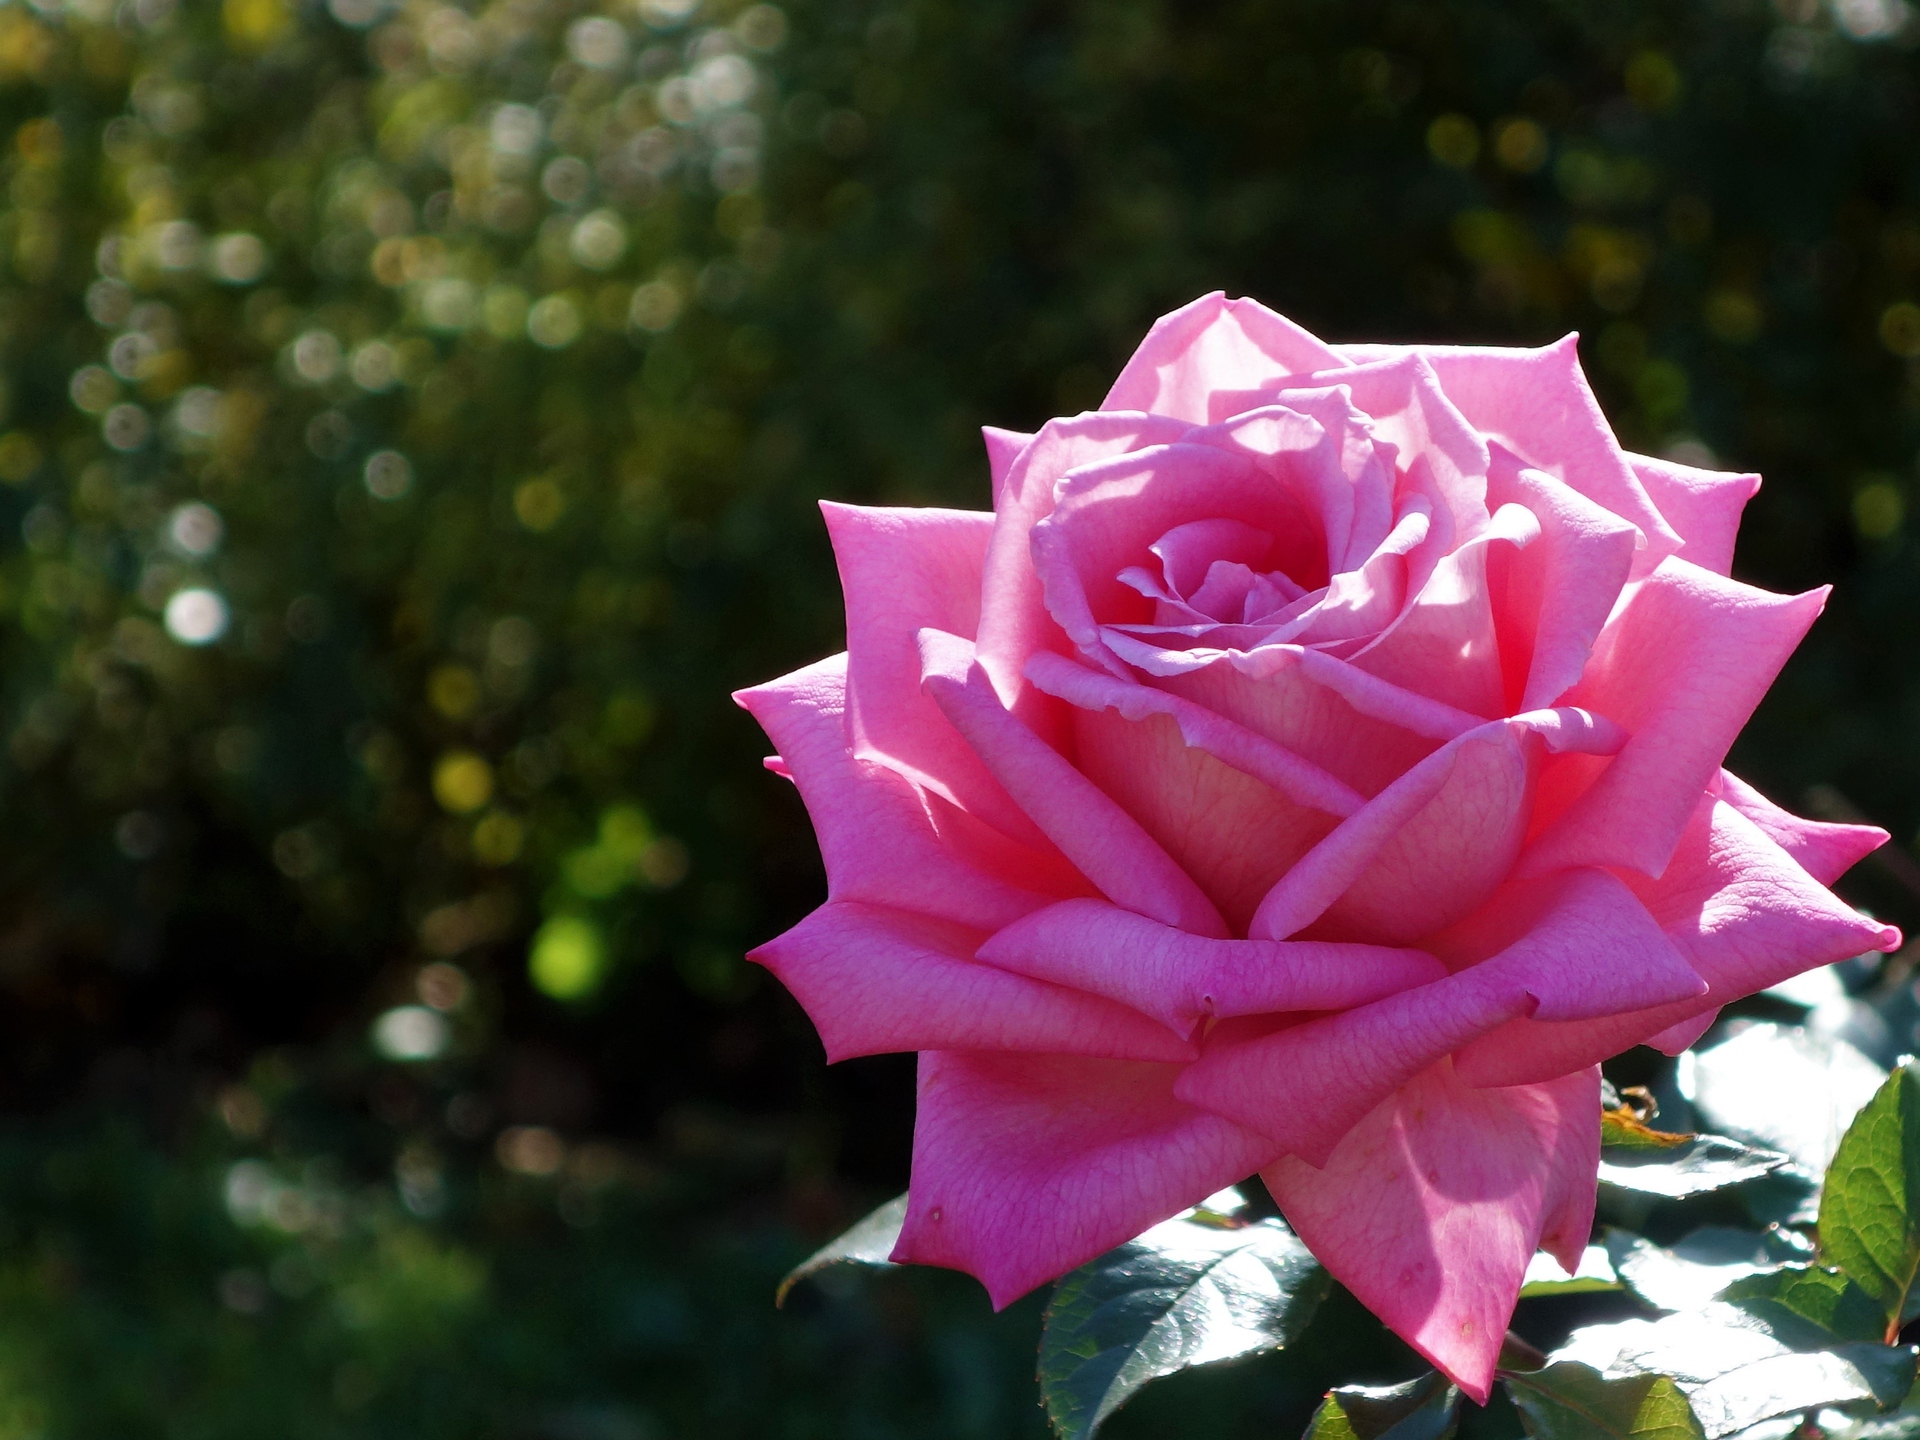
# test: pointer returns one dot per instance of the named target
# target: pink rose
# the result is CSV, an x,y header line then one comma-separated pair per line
x,y
1310,767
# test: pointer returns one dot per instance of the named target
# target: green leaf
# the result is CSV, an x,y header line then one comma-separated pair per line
x,y
1693,1271
869,1242
1545,1277
1738,1369
1870,1209
1569,1401
1789,1384
1703,1163
1781,1088
1809,1307
1423,1409
1191,1291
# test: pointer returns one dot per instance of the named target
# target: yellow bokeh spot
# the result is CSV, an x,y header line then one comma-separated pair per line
x,y
1521,145
568,959
1454,140
19,456
1900,328
538,504
497,839
453,691
462,781
255,24
1878,509
1653,81
1733,316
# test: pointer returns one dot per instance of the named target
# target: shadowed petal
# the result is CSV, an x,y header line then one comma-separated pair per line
x,y
1431,1208
876,980
1025,1166
1741,911
1105,843
1432,846
1582,946
1182,979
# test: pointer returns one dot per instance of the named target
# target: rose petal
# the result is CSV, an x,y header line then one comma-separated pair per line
x,y
1014,623
1431,1208
1105,843
1558,591
1443,643
1441,453
1432,846
884,840
1233,834
1681,667
1299,780
1825,851
1703,507
1182,979
876,980
1538,404
1025,1166
1109,512
1582,946
902,570
1213,344
1363,730
1737,907
1003,448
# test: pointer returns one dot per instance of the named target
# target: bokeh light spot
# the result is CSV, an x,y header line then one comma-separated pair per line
x,y
462,782
196,616
567,959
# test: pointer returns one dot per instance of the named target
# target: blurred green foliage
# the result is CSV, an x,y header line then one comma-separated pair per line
x,y
413,414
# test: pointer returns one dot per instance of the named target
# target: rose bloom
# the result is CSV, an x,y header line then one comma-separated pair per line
x,y
1311,767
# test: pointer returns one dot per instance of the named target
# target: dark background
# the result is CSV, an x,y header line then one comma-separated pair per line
x,y
630,288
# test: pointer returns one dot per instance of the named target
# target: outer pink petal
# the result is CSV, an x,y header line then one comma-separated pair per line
x,y
1026,1166
1430,1210
903,570
1182,979
1443,644
1703,506
1432,846
1557,592
1106,844
883,839
1014,623
1538,404
876,980
1003,448
1825,851
1588,948
1738,908
1214,344
1681,667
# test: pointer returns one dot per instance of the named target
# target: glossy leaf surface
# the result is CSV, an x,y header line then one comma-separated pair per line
x,y
1570,1401
1692,1271
1423,1409
1870,1208
1703,1163
1194,1290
